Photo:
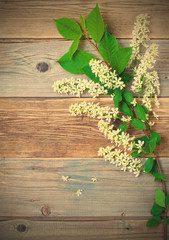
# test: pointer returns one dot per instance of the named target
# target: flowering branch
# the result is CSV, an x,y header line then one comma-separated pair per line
x,y
108,77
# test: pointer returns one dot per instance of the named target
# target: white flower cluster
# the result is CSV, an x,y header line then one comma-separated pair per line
x,y
94,111
145,64
117,137
106,77
122,159
78,86
139,36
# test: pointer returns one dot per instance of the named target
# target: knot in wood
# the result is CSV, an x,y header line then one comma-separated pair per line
x,y
21,228
42,67
46,210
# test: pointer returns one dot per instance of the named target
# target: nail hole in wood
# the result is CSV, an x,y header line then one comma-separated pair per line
x,y
45,210
21,228
42,67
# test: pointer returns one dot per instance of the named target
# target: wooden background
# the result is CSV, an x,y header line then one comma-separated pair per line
x,y
40,141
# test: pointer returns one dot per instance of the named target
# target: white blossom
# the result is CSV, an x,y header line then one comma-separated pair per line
x,y
78,86
139,36
106,76
122,159
94,179
65,178
79,192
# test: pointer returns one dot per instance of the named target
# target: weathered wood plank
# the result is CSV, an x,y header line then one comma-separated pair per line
x,y
45,128
28,185
19,76
33,19
100,230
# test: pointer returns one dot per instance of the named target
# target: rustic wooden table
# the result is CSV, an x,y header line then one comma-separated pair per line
x,y
40,141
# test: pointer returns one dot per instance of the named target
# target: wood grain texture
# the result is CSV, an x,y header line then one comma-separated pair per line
x,y
19,76
34,19
114,230
45,128
28,185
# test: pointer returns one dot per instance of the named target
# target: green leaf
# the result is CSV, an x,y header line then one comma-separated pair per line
x,y
155,135
68,28
95,24
158,218
126,78
82,22
159,177
117,97
154,169
138,124
167,200
123,107
140,112
120,59
87,70
160,198
108,46
156,210
152,223
78,61
145,109
127,96
150,145
73,48
135,154
166,221
123,127
148,165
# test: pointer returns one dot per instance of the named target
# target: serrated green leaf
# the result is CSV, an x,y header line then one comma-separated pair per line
x,y
150,145
138,124
82,22
123,107
145,109
108,46
126,78
167,200
73,48
135,154
117,97
159,177
88,72
127,96
156,210
79,60
166,221
140,112
148,165
154,169
95,24
160,198
123,127
155,135
68,28
120,59
158,218
152,223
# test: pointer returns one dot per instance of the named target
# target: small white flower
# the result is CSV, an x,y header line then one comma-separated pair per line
x,y
139,144
79,192
65,178
134,102
94,179
151,123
